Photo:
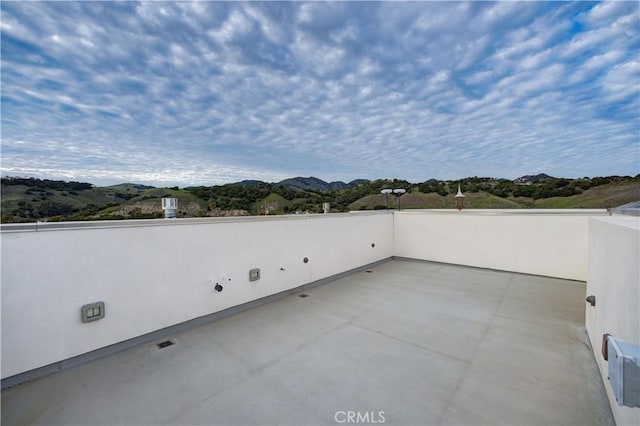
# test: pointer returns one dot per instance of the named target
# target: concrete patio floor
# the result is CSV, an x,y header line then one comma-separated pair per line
x,y
405,343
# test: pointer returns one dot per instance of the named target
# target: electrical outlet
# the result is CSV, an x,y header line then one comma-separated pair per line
x,y
254,274
92,311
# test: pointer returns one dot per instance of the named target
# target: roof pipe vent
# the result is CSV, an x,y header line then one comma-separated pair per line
x,y
170,206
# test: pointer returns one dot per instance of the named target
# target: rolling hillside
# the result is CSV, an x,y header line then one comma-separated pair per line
x,y
604,196
27,199
419,200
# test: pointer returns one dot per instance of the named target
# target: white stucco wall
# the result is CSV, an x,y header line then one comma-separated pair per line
x,y
614,278
151,276
550,243
155,274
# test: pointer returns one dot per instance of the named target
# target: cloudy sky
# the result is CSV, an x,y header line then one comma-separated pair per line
x,y
181,93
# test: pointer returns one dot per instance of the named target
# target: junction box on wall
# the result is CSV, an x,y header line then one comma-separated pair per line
x,y
623,361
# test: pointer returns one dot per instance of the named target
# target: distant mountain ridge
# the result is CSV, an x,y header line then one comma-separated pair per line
x,y
529,179
249,182
314,184
305,184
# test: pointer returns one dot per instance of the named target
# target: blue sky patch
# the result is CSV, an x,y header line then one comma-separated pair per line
x,y
203,93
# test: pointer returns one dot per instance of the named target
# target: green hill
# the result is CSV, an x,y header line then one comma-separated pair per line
x,y
603,196
28,199
483,200
35,199
599,197
418,200
272,204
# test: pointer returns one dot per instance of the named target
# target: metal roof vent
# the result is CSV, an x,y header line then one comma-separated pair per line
x,y
170,206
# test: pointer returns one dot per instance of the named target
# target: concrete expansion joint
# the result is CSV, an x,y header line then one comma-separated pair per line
x,y
411,343
454,392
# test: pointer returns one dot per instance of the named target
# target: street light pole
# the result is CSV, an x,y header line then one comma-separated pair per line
x,y
399,193
386,193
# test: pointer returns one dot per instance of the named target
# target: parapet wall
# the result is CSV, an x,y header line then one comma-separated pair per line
x,y
614,280
153,274
548,243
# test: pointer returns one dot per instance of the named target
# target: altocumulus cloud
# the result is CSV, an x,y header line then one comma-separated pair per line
x,y
206,93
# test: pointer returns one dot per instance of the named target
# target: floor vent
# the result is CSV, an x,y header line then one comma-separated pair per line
x,y
303,295
166,343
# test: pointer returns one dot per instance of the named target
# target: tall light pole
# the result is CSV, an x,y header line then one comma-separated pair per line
x,y
386,193
399,193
